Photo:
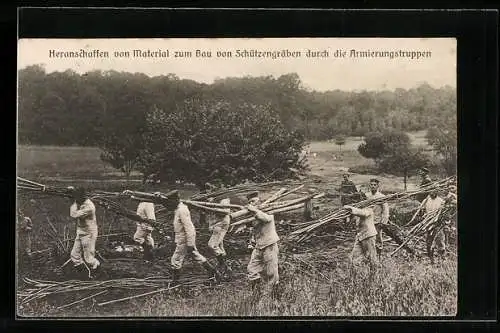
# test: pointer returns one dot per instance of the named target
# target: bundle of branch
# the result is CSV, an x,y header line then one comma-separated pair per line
x,y
105,193
119,209
39,289
340,214
157,197
238,210
431,222
244,216
34,187
234,191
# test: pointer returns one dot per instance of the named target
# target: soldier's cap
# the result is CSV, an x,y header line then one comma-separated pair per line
x,y
346,174
374,180
252,195
424,170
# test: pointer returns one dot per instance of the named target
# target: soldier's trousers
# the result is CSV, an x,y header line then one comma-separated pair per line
x,y
436,240
365,247
180,254
264,264
85,242
143,235
216,241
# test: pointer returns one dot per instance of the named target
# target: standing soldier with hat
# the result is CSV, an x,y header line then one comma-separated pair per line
x,y
185,238
263,265
435,238
426,180
349,191
381,218
83,211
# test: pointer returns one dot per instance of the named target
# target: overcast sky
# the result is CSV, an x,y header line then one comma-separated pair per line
x,y
316,73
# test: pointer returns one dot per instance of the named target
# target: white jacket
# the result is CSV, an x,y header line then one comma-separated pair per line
x,y
185,232
85,214
381,211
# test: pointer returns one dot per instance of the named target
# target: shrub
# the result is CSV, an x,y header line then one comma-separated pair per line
x,y
209,139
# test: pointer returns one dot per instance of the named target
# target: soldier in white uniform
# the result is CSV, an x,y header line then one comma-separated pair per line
x,y
185,239
365,237
263,265
83,211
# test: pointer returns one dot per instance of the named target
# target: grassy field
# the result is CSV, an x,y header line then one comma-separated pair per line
x,y
311,285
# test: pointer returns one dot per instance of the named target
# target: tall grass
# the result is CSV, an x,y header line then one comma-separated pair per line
x,y
400,288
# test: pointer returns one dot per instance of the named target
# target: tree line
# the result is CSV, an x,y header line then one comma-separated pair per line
x,y
65,108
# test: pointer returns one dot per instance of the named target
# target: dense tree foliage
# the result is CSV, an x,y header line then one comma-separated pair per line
x,y
65,108
209,140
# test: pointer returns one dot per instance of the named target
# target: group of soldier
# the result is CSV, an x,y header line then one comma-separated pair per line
x,y
262,267
371,222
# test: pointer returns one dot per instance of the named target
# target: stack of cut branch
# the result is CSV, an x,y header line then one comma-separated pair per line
x,y
39,289
242,189
102,198
338,215
34,187
239,214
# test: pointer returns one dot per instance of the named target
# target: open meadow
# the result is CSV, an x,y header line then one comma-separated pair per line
x,y
312,283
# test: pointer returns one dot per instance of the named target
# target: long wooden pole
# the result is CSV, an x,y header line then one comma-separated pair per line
x,y
137,296
81,300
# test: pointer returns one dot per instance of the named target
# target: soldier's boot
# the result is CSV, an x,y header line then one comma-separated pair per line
x,y
228,273
81,272
255,285
212,271
276,291
442,254
148,252
96,273
379,250
176,274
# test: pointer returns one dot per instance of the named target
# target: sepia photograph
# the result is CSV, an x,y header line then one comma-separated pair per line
x,y
236,177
